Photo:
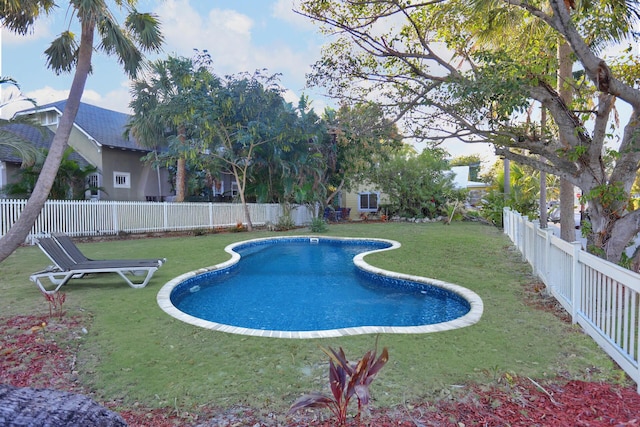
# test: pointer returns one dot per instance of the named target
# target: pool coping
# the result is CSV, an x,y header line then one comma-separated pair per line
x,y
473,316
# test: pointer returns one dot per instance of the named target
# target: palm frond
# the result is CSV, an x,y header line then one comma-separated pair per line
x,y
19,16
62,54
145,27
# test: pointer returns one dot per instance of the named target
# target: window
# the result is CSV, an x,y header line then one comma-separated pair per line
x,y
93,184
368,202
49,118
121,180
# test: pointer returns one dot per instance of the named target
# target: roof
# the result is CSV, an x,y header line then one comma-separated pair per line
x,y
26,133
33,135
105,127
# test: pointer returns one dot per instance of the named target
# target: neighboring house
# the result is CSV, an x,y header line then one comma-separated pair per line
x,y
365,201
225,188
461,181
362,201
97,137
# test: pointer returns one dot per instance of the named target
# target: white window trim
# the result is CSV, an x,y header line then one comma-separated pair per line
x,y
121,180
368,193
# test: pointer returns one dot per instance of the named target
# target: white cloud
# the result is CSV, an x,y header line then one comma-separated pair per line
x,y
225,34
233,41
117,100
41,30
284,10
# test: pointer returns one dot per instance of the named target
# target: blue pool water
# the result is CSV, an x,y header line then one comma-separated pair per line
x,y
295,285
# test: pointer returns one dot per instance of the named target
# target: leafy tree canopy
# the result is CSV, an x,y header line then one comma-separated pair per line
x,y
433,71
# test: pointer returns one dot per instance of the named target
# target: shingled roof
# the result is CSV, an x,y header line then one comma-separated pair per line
x,y
33,135
104,126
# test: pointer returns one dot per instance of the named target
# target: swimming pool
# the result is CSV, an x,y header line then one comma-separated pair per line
x,y
313,287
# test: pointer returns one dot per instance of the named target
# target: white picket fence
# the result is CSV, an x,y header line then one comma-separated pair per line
x,y
602,297
91,218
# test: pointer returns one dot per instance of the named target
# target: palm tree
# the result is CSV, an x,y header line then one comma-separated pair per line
x,y
141,32
167,105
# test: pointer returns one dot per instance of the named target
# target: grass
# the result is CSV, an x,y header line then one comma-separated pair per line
x,y
134,352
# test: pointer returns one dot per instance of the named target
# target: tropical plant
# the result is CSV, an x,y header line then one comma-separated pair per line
x,y
248,112
346,380
361,137
416,185
168,106
318,225
491,208
71,180
140,33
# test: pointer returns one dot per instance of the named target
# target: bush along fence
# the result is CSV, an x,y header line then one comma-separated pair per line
x,y
602,297
93,218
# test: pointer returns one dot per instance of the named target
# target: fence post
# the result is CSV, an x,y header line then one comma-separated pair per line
x,y
522,231
165,216
576,281
506,221
116,227
548,235
535,259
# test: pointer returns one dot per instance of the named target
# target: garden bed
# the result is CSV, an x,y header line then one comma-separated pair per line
x,y
40,352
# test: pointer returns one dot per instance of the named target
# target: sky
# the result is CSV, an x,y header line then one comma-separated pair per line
x,y
240,35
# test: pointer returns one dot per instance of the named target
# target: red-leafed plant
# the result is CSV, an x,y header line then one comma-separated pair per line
x,y
55,301
345,381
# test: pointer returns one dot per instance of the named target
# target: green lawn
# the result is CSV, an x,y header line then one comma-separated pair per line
x,y
134,352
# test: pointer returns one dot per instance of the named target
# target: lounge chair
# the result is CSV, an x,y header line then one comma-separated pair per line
x,y
77,256
65,268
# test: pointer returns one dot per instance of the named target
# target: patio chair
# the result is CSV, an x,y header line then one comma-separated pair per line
x,y
67,245
64,268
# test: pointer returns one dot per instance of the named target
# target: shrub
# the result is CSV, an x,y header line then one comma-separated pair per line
x,y
318,225
285,222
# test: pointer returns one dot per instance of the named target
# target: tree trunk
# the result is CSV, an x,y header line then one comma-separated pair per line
x,y
567,222
543,200
543,176
334,194
507,177
241,186
181,167
181,172
21,228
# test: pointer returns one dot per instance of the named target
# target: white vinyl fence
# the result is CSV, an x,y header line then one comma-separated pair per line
x,y
91,218
602,297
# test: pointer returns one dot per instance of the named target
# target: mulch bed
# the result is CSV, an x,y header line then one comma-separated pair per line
x,y
30,355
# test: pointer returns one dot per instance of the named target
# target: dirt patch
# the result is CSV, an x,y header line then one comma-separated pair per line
x,y
537,296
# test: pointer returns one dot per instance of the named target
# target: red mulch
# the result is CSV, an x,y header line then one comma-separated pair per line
x,y
30,356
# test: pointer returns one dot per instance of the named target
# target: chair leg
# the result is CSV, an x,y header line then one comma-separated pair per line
x,y
144,283
37,279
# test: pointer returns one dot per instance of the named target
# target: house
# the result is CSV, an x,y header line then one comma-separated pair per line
x,y
462,180
364,201
98,138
